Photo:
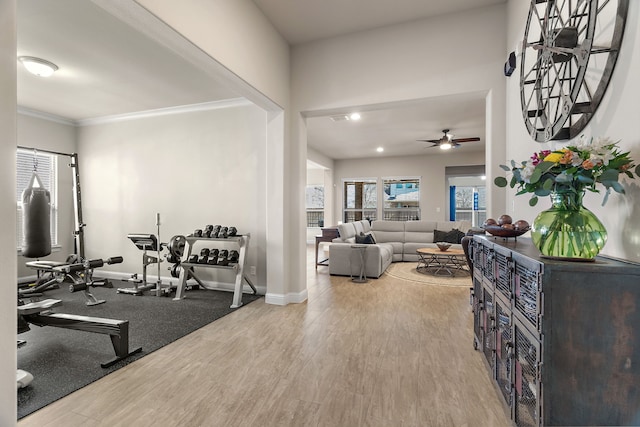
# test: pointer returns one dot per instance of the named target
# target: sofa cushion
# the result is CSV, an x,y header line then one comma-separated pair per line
x,y
388,231
452,236
346,230
419,231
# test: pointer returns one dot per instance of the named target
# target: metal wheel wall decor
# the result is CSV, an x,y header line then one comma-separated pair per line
x,y
569,52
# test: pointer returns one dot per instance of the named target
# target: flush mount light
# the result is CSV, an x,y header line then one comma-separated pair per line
x,y
379,149
38,66
354,116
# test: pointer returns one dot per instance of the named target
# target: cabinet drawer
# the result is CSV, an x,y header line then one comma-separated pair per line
x,y
504,349
527,291
526,380
502,273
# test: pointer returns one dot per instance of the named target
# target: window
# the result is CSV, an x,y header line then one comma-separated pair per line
x,y
315,205
401,199
47,165
360,200
470,204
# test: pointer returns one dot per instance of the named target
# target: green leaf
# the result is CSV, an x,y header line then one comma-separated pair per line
x,y
535,176
563,178
500,181
609,175
585,179
533,201
617,187
542,192
638,170
505,167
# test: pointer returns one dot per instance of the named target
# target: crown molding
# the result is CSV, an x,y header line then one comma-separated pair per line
x,y
205,106
45,116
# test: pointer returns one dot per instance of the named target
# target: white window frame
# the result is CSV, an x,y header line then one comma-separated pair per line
x,y
404,213
365,211
314,211
24,169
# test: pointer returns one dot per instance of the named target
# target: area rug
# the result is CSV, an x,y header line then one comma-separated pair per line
x,y
407,271
63,360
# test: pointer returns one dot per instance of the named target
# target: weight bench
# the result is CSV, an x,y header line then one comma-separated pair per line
x,y
38,314
79,273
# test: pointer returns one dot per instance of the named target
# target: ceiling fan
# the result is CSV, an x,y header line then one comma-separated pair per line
x,y
447,141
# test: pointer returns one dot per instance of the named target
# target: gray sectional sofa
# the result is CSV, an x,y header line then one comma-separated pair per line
x,y
395,241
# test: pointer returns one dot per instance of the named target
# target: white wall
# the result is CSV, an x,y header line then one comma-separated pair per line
x,y
193,168
49,135
8,413
430,169
238,36
617,117
416,60
235,33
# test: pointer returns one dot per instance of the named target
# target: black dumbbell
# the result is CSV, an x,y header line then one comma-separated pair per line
x,y
223,233
213,257
204,255
214,232
207,230
222,257
233,256
197,232
232,231
193,258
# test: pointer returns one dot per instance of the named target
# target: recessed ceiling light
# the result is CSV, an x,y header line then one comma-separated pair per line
x,y
355,116
38,66
379,149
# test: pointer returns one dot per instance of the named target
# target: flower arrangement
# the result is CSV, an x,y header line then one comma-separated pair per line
x,y
574,169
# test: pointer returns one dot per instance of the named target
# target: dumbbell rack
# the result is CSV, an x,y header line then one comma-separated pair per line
x,y
241,242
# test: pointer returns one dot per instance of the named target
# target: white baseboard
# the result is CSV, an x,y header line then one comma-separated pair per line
x,y
284,299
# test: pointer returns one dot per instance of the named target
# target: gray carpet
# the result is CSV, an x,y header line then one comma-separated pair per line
x,y
63,360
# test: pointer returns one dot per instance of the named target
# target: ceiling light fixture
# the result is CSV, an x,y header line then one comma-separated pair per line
x,y
445,145
37,66
379,149
354,116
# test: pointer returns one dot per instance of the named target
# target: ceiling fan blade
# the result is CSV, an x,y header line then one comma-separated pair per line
x,y
434,141
458,140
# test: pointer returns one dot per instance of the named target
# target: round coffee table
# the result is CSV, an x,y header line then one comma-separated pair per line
x,y
441,263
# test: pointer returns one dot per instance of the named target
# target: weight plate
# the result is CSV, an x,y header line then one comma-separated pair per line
x,y
176,246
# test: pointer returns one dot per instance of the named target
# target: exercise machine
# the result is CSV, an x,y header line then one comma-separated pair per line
x,y
146,243
39,313
78,273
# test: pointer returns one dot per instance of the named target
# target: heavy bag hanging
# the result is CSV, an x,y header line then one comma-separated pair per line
x,y
36,219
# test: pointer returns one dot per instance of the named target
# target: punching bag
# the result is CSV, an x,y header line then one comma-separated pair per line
x,y
36,219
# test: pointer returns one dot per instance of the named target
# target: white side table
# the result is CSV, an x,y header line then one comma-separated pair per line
x,y
362,250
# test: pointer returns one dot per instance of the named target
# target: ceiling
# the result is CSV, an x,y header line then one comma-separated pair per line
x,y
301,21
397,128
107,67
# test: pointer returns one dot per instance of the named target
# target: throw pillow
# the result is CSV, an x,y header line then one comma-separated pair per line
x,y
365,239
453,236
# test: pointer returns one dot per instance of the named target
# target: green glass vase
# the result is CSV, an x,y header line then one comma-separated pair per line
x,y
568,230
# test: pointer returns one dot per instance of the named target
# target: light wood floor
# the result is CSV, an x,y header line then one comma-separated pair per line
x,y
384,353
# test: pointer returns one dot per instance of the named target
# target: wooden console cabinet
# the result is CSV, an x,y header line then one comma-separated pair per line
x,y
562,339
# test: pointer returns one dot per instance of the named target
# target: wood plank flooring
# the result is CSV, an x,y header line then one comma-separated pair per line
x,y
384,353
